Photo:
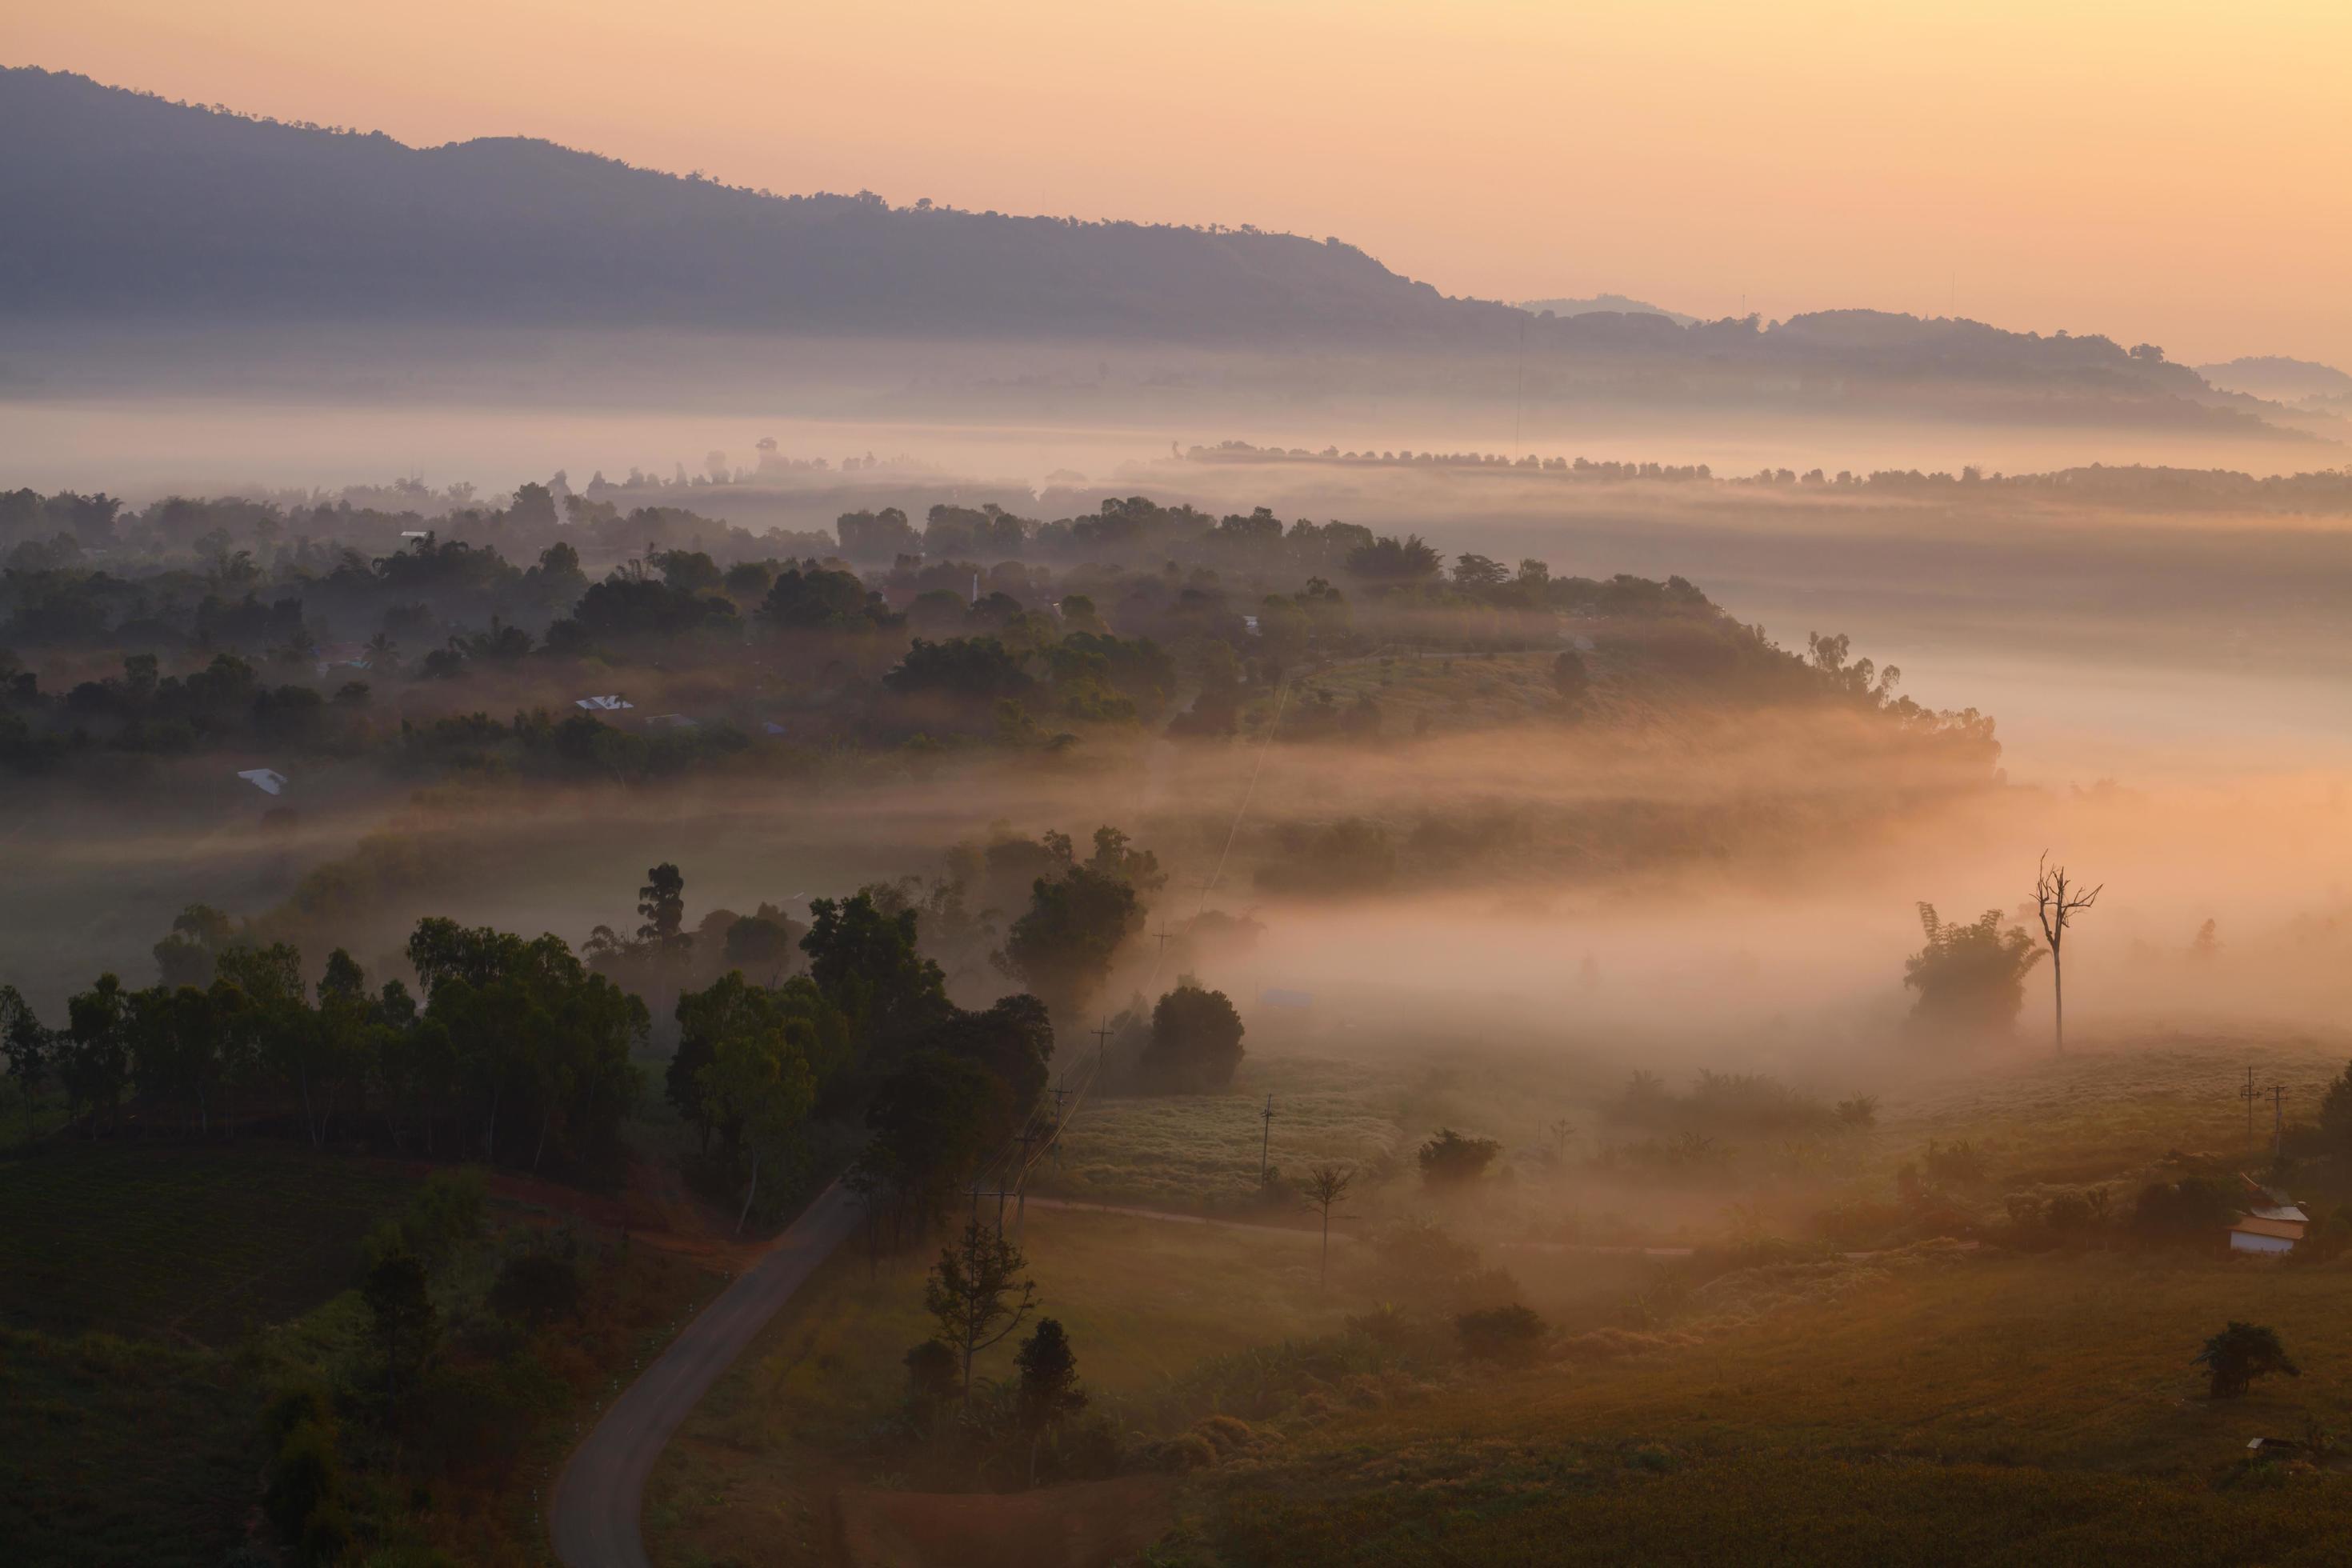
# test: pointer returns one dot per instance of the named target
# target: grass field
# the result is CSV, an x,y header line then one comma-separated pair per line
x,y
2004,1409
1201,1152
115,1452
1936,1406
128,1431
1144,1303
179,1241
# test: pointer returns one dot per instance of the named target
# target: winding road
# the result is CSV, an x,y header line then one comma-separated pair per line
x,y
596,1518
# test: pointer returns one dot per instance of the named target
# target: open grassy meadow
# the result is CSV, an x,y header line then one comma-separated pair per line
x,y
1990,1409
2007,1396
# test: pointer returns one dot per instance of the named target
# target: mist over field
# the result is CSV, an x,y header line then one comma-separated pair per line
x,y
1107,866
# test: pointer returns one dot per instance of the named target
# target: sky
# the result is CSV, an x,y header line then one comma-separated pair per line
x,y
2163,172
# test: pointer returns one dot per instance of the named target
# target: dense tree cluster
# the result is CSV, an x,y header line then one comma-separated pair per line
x,y
341,629
517,1052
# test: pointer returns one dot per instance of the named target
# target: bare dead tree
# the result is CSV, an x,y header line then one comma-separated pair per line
x,y
1326,1188
2056,899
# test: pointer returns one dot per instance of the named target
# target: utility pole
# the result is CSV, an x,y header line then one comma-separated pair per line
x,y
1266,1144
2248,1095
1029,1134
1161,936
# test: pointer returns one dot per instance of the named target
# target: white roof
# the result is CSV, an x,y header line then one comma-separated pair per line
x,y
269,781
2284,1211
609,704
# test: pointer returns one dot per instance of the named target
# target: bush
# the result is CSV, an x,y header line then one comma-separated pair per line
x,y
2240,1353
1196,1042
537,1288
1508,1334
1452,1161
934,1376
305,1480
2195,1210
1420,1264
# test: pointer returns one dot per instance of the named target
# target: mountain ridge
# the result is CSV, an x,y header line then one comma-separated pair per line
x,y
127,208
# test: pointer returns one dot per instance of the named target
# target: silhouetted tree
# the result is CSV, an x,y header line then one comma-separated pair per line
x,y
394,1291
1196,1042
976,1294
1324,1189
2057,900
2240,1353
1969,978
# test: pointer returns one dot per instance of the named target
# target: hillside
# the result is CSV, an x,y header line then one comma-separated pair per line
x,y
120,201
128,212
1598,302
2279,378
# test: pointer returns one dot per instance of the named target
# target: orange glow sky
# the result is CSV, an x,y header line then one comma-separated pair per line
x,y
2165,171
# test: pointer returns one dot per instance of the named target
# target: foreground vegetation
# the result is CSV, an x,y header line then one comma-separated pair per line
x,y
197,1366
2012,1375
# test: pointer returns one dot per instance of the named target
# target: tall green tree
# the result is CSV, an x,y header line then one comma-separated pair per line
x,y
26,1046
401,1306
759,1084
1048,1394
1063,947
95,1063
977,1295
868,965
928,1126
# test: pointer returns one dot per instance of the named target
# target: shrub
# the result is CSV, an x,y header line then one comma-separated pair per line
x,y
1451,1160
934,1376
1508,1334
305,1480
537,1288
2240,1353
2194,1210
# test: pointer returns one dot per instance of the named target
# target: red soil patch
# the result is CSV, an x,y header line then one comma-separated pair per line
x,y
1086,1524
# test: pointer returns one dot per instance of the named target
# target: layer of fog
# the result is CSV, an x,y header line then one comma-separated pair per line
x,y
2170,693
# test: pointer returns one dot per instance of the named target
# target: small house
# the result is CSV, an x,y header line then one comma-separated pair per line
x,y
2271,1223
269,781
611,703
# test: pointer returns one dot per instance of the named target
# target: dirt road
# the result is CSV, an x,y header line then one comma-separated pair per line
x,y
600,1497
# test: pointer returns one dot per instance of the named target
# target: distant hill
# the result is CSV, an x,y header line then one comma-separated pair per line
x,y
124,211
2281,379
117,201
1616,302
